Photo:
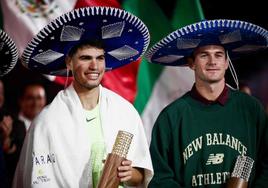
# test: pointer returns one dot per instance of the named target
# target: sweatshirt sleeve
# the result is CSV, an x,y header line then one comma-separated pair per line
x,y
160,147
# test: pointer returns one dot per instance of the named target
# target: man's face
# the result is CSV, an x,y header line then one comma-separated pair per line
x,y
209,64
33,101
88,67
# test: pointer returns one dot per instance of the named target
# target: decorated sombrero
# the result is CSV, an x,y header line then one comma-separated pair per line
x,y
237,37
125,38
8,53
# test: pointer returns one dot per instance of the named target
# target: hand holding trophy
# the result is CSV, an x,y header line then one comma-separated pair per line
x,y
109,178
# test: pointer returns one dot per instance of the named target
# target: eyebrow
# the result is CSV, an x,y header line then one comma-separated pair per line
x,y
206,52
220,52
101,55
89,56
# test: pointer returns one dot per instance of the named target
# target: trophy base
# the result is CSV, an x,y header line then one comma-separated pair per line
x,y
236,183
109,178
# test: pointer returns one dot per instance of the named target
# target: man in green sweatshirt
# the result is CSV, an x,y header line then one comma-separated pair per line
x,y
198,137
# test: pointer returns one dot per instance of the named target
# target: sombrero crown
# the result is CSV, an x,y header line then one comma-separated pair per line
x,y
237,37
8,53
124,36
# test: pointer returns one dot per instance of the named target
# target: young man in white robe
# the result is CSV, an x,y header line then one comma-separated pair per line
x,y
69,140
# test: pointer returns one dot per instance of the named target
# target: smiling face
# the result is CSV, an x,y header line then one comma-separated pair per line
x,y
88,66
209,63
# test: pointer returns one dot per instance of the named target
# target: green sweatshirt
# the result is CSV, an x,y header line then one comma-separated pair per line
x,y
196,145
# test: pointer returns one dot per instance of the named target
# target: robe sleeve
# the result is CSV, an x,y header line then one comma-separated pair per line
x,y
22,178
36,165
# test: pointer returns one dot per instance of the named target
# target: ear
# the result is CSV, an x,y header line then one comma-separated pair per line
x,y
68,62
226,64
190,62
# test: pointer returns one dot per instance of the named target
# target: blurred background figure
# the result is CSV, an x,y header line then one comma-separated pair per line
x,y
31,102
3,179
12,133
11,138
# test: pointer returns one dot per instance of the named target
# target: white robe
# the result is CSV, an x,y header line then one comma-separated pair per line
x,y
56,151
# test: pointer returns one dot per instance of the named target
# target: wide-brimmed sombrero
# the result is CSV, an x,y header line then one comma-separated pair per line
x,y
124,36
8,53
237,37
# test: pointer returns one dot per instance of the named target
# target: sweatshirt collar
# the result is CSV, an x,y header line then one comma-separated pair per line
x,y
222,99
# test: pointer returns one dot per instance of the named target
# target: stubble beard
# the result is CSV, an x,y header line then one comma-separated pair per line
x,y
86,85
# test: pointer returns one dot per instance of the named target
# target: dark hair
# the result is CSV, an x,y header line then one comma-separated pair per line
x,y
192,55
93,43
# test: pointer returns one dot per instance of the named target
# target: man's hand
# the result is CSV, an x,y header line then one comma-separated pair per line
x,y
6,126
129,175
125,171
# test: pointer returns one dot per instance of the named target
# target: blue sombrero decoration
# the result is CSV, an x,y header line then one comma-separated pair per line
x,y
125,38
8,53
237,37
